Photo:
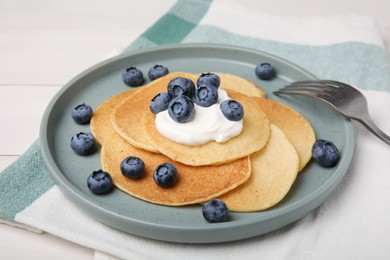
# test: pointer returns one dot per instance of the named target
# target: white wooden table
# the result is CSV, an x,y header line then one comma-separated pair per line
x,y
44,43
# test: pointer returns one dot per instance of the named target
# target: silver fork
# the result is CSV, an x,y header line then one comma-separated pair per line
x,y
346,99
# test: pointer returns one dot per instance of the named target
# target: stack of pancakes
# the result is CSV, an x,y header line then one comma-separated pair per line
x,y
252,171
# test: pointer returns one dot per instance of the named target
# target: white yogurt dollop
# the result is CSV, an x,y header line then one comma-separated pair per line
x,y
207,124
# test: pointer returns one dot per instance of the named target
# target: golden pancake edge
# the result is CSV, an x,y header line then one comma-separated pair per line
x,y
274,170
194,185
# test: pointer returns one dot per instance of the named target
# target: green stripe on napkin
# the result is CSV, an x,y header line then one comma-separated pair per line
x,y
361,64
174,26
23,182
169,29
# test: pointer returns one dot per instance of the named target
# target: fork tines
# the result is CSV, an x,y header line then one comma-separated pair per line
x,y
309,88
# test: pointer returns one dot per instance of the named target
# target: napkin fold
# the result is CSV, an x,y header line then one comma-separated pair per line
x,y
346,48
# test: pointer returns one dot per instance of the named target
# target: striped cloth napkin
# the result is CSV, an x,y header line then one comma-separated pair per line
x,y
353,223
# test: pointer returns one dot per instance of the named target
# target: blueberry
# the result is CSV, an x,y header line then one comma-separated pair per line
x,y
165,175
99,182
181,109
265,71
215,211
132,167
83,143
206,95
210,78
325,153
133,77
232,110
160,102
82,114
157,71
181,86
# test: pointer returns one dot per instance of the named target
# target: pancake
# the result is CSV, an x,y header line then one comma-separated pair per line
x,y
252,138
127,118
137,105
101,121
297,129
194,184
239,84
274,170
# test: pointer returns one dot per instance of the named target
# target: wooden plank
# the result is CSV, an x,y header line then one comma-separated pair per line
x,y
21,111
22,244
5,161
45,43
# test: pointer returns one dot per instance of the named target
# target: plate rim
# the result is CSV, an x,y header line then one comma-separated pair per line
x,y
76,196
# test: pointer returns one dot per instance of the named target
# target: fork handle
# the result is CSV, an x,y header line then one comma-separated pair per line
x,y
370,125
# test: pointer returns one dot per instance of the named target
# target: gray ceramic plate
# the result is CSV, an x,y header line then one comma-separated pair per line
x,y
186,224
